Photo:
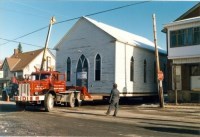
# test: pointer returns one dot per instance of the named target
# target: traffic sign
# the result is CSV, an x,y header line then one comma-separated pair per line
x,y
160,75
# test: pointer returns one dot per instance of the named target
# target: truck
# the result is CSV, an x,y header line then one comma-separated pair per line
x,y
48,87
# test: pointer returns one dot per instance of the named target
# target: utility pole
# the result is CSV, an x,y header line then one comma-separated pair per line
x,y
160,75
52,21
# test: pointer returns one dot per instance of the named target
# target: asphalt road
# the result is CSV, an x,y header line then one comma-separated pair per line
x,y
90,120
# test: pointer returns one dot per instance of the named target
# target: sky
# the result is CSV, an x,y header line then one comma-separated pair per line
x,y
20,17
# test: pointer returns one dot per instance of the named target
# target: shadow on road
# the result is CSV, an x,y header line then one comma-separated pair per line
x,y
173,130
129,117
8,108
170,125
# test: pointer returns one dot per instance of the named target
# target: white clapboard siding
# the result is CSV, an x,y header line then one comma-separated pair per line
x,y
90,41
124,53
37,62
87,38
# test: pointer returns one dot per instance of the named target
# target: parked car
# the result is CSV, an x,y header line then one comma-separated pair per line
x,y
10,91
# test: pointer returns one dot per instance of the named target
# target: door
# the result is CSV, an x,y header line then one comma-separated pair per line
x,y
82,72
177,77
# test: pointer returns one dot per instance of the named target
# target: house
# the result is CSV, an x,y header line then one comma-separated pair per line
x,y
96,55
21,64
183,47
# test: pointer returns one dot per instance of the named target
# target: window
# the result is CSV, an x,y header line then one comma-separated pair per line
x,y
185,37
6,72
196,36
195,70
173,38
190,36
181,37
98,68
145,71
132,69
68,69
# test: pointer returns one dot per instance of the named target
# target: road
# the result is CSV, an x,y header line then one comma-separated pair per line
x,y
90,120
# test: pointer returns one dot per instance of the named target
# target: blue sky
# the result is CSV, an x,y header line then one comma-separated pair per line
x,y
19,17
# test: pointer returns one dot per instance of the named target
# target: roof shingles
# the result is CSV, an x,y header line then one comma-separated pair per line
x,y
17,62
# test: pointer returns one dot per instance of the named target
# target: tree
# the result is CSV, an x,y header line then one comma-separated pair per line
x,y
20,48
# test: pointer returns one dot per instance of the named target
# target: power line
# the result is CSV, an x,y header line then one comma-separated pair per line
x,y
26,35
92,14
23,43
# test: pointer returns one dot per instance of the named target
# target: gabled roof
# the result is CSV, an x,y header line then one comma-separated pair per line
x,y
17,62
12,62
191,13
125,36
122,36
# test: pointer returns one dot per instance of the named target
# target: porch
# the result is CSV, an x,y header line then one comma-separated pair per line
x,y
184,77
184,96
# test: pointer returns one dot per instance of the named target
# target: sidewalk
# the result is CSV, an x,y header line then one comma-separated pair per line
x,y
182,112
128,114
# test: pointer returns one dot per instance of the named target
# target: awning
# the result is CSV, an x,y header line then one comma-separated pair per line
x,y
186,60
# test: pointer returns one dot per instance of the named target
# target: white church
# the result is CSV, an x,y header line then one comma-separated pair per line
x,y
96,55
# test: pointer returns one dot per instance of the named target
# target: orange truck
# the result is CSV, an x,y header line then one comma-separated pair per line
x,y
47,88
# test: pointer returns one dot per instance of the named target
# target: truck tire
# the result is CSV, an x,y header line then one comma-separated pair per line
x,y
71,102
4,96
48,102
78,100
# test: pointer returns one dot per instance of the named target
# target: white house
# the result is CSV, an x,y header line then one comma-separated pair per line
x,y
97,55
20,64
183,45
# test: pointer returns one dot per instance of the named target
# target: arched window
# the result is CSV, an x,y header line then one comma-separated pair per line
x,y
145,71
82,72
68,69
132,69
98,67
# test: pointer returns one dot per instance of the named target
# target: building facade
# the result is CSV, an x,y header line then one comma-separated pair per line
x,y
96,55
183,46
21,64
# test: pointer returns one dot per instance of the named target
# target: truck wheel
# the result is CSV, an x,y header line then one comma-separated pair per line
x,y
71,102
78,100
48,102
4,96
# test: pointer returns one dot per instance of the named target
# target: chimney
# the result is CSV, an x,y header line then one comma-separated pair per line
x,y
16,51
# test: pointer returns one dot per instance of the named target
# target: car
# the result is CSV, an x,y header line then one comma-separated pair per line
x,y
10,91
